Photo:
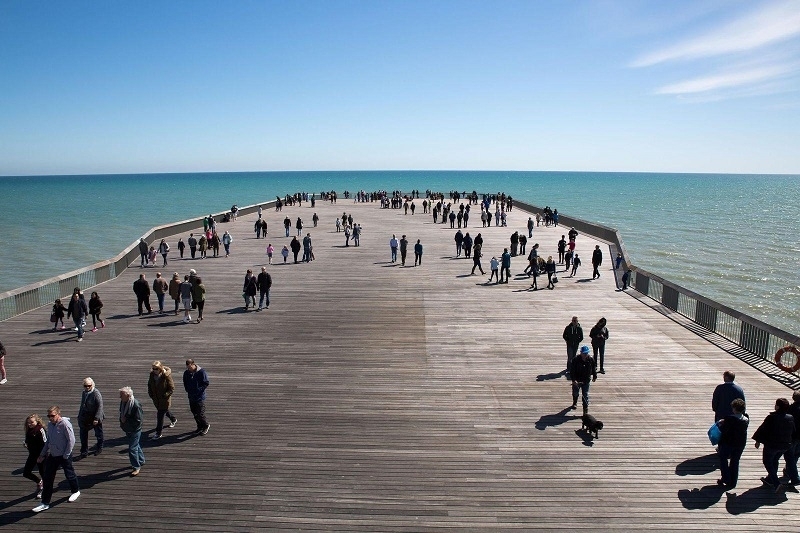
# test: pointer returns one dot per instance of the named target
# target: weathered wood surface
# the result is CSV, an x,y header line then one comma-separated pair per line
x,y
371,397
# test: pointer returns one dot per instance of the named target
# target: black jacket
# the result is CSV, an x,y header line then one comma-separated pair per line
x,y
573,334
776,431
582,370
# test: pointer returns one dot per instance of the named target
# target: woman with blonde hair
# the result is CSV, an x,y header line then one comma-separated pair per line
x,y
160,387
35,437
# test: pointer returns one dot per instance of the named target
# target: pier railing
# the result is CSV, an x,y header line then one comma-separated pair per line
x,y
747,332
35,295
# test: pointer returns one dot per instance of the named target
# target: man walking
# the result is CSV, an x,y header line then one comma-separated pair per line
x,y
185,293
195,382
192,244
264,282
775,433
143,251
418,253
724,394
583,372
130,420
90,416
597,260
78,310
142,291
393,247
403,250
57,452
573,335
505,265
161,288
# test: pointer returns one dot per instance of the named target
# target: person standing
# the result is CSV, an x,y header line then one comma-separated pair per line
x,y
550,270
573,335
315,218
130,420
597,260
160,387
583,372
393,247
181,246
599,336
724,394
775,433
199,297
192,245
195,382
142,291
732,443
403,250
95,308
562,248
35,437
57,452
626,277
505,265
307,248
143,251
287,224
226,242
78,310
161,288
264,282
418,253
90,416
185,292
299,226
530,228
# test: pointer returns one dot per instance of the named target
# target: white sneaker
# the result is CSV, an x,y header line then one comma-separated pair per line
x,y
74,496
41,507
172,424
3,381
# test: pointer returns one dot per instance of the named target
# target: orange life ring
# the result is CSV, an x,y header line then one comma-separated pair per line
x,y
779,359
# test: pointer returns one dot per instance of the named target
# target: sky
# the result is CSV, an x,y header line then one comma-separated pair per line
x,y
192,86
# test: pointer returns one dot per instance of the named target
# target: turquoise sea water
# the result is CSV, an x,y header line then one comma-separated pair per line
x,y
732,238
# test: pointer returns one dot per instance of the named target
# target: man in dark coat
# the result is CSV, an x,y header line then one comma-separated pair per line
x,y
90,416
724,394
573,335
775,433
583,372
295,246
597,260
143,251
264,282
142,291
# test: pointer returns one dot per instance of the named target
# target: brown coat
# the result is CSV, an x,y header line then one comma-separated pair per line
x,y
160,389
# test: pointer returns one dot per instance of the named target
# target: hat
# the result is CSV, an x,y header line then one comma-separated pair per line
x,y
584,350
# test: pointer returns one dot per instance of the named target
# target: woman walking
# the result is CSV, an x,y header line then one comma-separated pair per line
x,y
163,249
270,251
174,290
550,268
249,289
599,335
35,437
160,387
95,305
58,314
199,297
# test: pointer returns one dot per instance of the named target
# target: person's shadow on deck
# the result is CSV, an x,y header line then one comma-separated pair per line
x,y
238,310
702,498
555,419
70,337
698,466
752,499
550,376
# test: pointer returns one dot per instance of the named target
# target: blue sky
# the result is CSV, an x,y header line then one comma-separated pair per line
x,y
183,86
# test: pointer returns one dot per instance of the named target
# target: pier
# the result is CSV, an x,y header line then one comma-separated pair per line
x,y
374,397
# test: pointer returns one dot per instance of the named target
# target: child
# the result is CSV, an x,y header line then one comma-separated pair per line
x,y
58,312
494,264
270,250
151,256
94,309
285,253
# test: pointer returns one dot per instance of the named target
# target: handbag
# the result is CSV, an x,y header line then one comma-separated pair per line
x,y
555,279
714,434
53,318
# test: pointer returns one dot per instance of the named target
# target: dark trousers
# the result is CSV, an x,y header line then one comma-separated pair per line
x,y
791,456
403,257
27,472
507,271
729,464
51,466
595,273
193,250
143,301
160,419
198,409
84,434
770,457
572,351
599,353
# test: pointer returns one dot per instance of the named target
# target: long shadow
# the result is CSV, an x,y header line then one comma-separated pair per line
x,y
702,498
584,280
239,310
555,419
753,499
465,275
45,331
121,317
172,323
698,466
68,338
551,376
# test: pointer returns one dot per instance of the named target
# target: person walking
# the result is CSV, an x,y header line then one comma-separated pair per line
x,y
142,291
505,265
174,290
494,266
775,433
35,437
732,443
90,416
476,259
295,244
287,224
130,420
793,453
203,244
160,387
599,336
227,239
418,253
576,262
78,310
299,226
143,252
597,260
393,243
573,335
271,250
583,372
264,282
550,270
192,241
185,292
161,288
249,289
403,250
57,453
58,313
181,246
459,239
195,382
199,297
724,394
95,306
163,249
285,253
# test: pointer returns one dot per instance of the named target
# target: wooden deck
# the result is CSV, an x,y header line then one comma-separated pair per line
x,y
371,397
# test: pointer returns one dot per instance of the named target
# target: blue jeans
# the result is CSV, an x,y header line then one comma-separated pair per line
x,y
729,464
84,433
160,302
769,458
78,324
791,456
264,296
581,388
227,249
135,453
287,230
394,254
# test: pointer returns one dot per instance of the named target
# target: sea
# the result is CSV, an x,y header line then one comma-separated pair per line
x,y
732,238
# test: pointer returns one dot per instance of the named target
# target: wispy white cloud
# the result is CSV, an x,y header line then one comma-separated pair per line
x,y
770,24
727,80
